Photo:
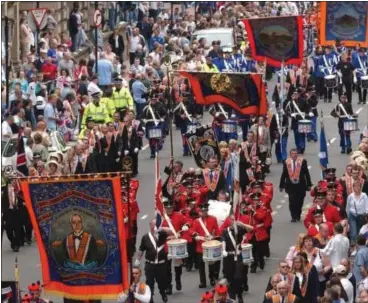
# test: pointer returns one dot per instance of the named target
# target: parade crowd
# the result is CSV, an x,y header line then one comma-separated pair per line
x,y
102,118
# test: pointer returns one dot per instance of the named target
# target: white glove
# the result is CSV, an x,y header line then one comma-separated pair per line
x,y
126,220
117,160
293,115
137,262
217,115
119,154
136,150
185,228
311,115
355,79
224,253
126,152
199,238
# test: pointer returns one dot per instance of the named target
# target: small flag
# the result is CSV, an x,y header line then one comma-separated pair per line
x,y
158,195
323,153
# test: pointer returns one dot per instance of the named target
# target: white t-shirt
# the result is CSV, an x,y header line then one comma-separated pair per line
x,y
349,289
6,131
29,155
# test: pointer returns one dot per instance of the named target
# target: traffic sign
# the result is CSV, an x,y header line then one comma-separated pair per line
x,y
38,15
97,18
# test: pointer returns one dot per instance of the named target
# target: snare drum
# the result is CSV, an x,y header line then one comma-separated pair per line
x,y
330,81
212,251
229,127
364,82
177,249
304,126
350,124
192,127
154,132
246,250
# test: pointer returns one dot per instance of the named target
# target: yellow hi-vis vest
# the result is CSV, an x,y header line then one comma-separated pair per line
x,y
122,98
98,114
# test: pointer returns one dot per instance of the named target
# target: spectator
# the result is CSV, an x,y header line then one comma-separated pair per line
x,y
135,39
50,114
109,54
75,21
104,71
39,148
116,42
361,260
136,67
22,81
26,37
52,51
49,71
50,21
81,69
139,95
155,38
6,130
68,64
146,28
139,53
64,74
341,271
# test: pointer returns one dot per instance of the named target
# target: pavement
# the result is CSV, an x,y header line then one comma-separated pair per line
x,y
284,233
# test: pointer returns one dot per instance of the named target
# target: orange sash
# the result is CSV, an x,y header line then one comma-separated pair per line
x,y
294,175
277,299
215,178
253,151
80,255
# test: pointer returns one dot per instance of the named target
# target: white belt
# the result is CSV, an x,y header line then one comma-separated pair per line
x,y
156,262
260,225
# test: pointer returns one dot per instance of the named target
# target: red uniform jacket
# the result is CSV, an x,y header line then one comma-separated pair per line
x,y
313,230
177,221
211,224
200,194
331,213
258,221
268,189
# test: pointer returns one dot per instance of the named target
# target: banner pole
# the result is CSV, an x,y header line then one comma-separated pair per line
x,y
16,275
281,101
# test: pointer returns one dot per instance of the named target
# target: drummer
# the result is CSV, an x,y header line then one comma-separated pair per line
x,y
360,62
229,129
177,223
233,267
342,111
205,228
347,73
159,113
327,63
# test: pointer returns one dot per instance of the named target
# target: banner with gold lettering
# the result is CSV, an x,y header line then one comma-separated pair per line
x,y
79,228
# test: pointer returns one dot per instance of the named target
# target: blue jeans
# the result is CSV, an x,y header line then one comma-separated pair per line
x,y
313,135
345,141
354,228
280,149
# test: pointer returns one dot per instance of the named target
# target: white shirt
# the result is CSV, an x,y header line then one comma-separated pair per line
x,y
337,249
349,289
6,131
353,206
29,155
32,92
144,298
134,41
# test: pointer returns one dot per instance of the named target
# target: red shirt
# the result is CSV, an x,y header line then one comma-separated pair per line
x,y
49,71
331,213
211,224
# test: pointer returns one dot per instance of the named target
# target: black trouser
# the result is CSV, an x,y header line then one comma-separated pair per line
x,y
296,201
320,86
236,273
348,90
26,225
214,270
258,250
192,258
134,157
362,95
13,228
156,273
178,272
131,58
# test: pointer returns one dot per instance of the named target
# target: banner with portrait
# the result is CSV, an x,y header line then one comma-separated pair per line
x,y
203,144
79,229
344,21
243,92
276,39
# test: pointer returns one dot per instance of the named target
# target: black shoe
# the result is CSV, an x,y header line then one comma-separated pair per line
x,y
267,254
202,286
293,220
212,282
153,156
349,150
169,291
164,298
343,151
302,151
16,249
360,102
298,219
262,264
29,241
178,285
253,270
185,154
330,100
240,299
246,288
325,100
189,267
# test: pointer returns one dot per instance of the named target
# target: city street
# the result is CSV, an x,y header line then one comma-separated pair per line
x,y
284,233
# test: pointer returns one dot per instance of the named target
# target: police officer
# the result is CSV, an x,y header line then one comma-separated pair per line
x,y
95,109
153,244
342,111
122,98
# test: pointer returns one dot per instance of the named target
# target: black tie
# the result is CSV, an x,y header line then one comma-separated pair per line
x,y
283,300
77,237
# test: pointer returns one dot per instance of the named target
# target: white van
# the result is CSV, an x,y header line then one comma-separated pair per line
x,y
225,35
